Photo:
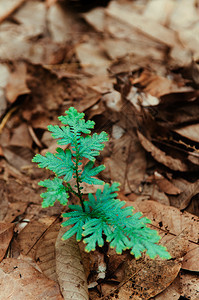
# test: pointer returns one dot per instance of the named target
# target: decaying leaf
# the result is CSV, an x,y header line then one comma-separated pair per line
x,y
19,279
130,171
31,234
45,252
6,233
69,269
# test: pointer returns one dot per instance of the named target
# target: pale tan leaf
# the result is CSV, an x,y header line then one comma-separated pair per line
x,y
69,269
92,58
95,17
6,233
16,85
145,25
19,280
33,22
191,132
7,7
191,259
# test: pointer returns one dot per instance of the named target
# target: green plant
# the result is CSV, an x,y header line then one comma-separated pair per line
x,y
103,215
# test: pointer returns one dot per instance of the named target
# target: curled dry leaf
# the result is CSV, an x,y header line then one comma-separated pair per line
x,y
169,161
19,279
6,233
69,269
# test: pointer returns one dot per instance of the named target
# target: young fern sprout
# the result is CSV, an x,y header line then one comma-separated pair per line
x,y
102,214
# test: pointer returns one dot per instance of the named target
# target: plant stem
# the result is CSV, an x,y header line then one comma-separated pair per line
x,y
77,176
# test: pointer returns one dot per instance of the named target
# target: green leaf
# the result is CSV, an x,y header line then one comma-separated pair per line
x,y
64,133
76,122
60,163
89,172
55,191
90,146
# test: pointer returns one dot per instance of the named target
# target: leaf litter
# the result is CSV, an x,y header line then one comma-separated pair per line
x,y
131,66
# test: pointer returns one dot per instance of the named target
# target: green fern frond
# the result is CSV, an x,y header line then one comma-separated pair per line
x,y
76,121
89,172
122,228
55,191
60,163
90,146
103,215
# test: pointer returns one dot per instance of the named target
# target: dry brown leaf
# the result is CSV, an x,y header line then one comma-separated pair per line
x,y
191,132
6,233
3,200
96,18
63,24
147,26
69,269
16,85
131,168
18,279
146,278
189,190
7,7
159,85
15,209
21,136
170,219
159,11
169,161
45,252
33,22
189,284
18,157
166,186
191,259
31,234
92,58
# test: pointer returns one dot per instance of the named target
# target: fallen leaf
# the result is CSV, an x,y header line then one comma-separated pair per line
x,y
7,7
191,132
21,136
171,162
3,200
130,171
45,252
19,279
92,58
15,210
191,259
169,219
16,85
6,233
69,268
147,26
32,233
34,23
189,190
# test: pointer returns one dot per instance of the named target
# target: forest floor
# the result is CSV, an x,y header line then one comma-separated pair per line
x,y
133,68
